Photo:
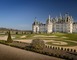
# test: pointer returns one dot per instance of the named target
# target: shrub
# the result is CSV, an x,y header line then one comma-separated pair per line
x,y
68,49
9,39
51,47
37,44
46,46
74,50
51,54
65,49
16,32
59,56
61,48
55,55
58,48
71,50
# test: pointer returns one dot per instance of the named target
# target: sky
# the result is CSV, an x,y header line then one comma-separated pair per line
x,y
20,14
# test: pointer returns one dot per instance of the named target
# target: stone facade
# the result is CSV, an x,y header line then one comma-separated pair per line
x,y
64,24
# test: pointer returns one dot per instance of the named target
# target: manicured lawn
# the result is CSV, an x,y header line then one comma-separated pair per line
x,y
71,36
68,44
60,36
68,36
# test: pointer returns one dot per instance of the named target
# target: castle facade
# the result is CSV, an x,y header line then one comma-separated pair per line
x,y
64,24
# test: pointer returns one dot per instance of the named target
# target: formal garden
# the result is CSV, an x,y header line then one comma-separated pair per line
x,y
55,44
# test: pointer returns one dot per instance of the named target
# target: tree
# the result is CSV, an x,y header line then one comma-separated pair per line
x,y
16,32
9,39
37,44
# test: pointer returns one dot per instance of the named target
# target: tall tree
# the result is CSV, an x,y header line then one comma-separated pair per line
x,y
9,39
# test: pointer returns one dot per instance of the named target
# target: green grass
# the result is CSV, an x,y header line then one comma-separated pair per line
x,y
72,36
68,44
69,36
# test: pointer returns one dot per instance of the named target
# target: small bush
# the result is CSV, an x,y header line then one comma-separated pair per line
x,y
74,50
61,48
37,44
68,49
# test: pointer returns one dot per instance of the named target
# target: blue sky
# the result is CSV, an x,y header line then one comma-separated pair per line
x,y
20,14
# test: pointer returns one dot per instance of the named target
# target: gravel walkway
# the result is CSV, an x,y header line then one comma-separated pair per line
x,y
11,53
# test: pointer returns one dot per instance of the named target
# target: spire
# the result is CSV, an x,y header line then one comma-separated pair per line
x,y
60,16
49,17
35,19
48,20
56,18
67,14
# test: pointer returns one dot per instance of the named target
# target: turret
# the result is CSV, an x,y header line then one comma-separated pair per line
x,y
48,20
35,26
60,17
35,22
69,22
56,18
49,17
49,25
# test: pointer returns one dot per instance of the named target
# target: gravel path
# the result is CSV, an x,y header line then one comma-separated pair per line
x,y
11,53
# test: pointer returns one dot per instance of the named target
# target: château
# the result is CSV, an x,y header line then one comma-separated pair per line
x,y
64,24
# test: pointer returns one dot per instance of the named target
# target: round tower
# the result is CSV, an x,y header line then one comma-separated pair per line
x,y
35,26
49,25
